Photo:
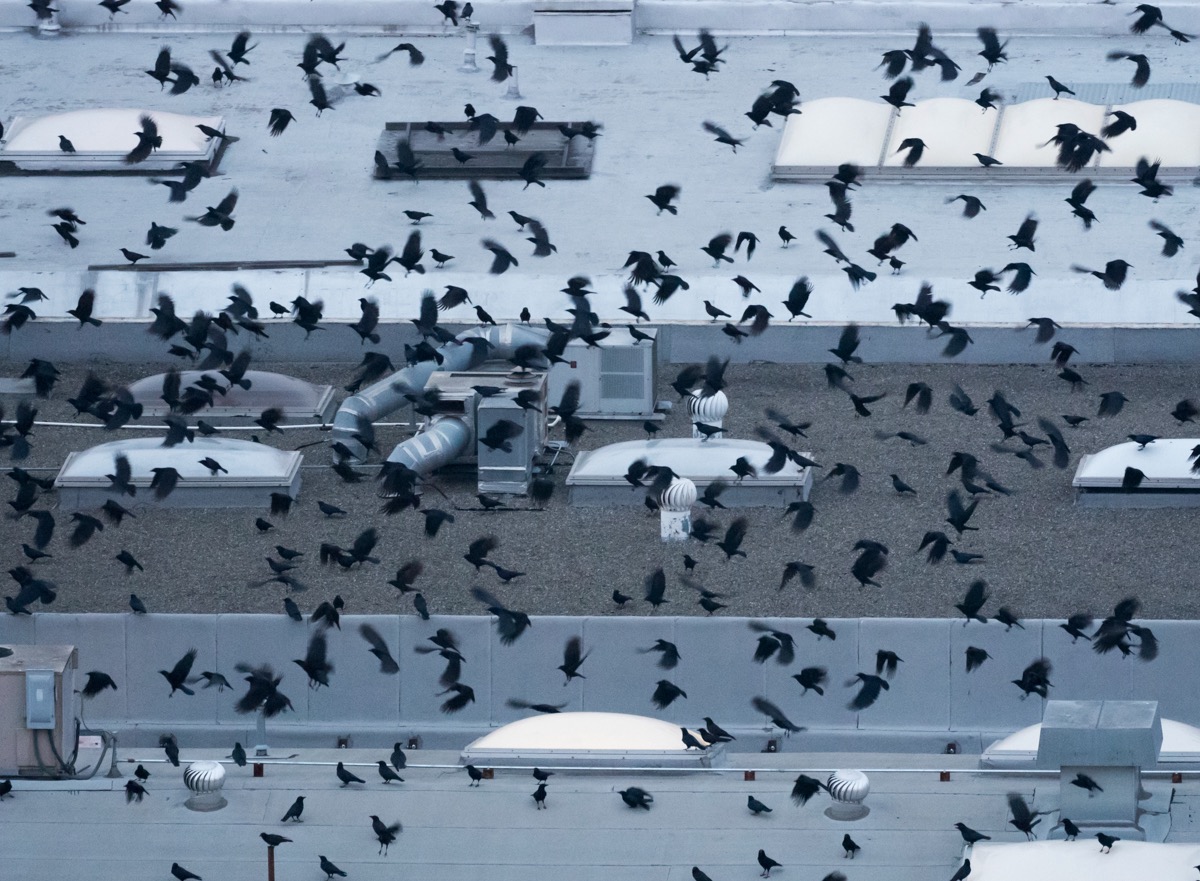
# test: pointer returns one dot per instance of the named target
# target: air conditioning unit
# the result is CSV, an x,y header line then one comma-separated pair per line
x,y
617,378
510,471
38,709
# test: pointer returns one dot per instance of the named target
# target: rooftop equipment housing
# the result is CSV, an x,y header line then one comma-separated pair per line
x,y
617,377
598,476
254,472
38,704
102,137
510,471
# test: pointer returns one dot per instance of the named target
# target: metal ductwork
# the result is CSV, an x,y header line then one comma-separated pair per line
x,y
439,444
448,436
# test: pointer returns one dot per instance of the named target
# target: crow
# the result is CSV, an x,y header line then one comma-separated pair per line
x,y
501,69
812,679
1023,818
666,693
385,834
898,92
573,658
778,719
346,777
870,687
636,797
1059,88
315,663
723,137
1141,74
177,678
663,196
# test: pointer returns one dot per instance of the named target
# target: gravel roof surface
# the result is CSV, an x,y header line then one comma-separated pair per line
x,y
309,194
1042,556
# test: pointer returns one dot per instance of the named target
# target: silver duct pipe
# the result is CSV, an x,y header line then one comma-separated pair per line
x,y
439,444
387,396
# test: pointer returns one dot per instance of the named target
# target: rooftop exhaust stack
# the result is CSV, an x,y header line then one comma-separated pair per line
x,y
675,510
707,410
1101,748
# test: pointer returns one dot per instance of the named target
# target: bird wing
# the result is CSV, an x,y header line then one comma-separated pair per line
x,y
828,242
499,49
412,250
573,652
666,193
900,88
1018,807
713,129
872,687
799,294
487,598
975,597
183,666
656,585
226,205
318,650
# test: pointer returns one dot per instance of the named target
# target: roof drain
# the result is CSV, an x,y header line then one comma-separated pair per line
x,y
444,440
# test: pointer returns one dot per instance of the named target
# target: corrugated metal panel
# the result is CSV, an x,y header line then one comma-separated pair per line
x,y
1107,93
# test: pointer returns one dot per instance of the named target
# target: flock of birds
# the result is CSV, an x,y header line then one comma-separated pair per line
x,y
207,342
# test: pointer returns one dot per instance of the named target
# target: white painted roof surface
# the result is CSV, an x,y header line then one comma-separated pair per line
x,y
248,463
107,130
1165,463
1046,860
698,460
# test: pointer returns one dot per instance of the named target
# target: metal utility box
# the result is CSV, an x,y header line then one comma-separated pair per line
x,y
40,699
510,471
1109,742
37,703
617,378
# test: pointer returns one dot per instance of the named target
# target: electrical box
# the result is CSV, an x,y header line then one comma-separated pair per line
x,y
38,708
39,699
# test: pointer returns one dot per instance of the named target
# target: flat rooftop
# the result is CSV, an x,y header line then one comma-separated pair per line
x,y
650,107
452,831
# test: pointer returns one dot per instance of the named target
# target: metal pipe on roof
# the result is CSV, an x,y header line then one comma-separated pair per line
x,y
676,771
387,395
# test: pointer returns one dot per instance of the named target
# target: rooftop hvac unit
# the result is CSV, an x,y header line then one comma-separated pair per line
x,y
509,470
38,708
617,378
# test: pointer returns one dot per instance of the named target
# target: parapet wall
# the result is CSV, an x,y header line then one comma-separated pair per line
x,y
729,16
932,699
